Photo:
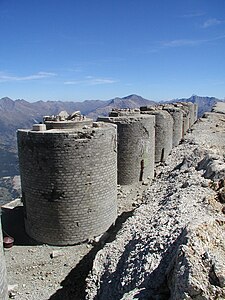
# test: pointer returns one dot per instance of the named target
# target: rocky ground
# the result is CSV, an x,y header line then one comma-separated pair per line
x,y
37,271
168,242
173,246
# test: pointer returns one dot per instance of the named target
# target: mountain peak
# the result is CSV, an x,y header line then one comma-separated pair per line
x,y
6,99
132,96
6,103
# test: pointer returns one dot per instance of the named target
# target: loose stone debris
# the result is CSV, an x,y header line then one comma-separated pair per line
x,y
169,242
173,246
64,116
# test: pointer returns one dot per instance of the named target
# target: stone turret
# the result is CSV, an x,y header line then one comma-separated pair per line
x,y
177,115
192,113
196,111
186,116
69,179
136,145
163,131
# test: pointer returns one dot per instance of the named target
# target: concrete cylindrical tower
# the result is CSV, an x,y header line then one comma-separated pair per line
x,y
163,132
177,116
191,109
196,111
3,279
186,116
136,147
186,120
69,181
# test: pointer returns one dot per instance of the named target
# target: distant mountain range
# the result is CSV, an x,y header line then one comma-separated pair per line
x,y
23,114
204,103
131,101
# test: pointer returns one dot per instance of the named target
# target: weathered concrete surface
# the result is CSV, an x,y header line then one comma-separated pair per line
x,y
177,115
195,112
69,182
192,110
173,247
186,117
163,132
136,146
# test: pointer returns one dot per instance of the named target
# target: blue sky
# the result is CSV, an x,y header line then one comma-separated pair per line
x,y
74,50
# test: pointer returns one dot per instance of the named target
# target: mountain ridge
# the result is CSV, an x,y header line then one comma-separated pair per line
x,y
19,113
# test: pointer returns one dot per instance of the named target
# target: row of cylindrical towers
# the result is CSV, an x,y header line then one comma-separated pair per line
x,y
70,166
147,135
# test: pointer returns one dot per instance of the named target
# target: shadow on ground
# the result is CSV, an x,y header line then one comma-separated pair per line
x,y
73,286
13,225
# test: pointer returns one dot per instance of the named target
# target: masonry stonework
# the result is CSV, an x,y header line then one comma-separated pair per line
x,y
163,132
191,108
186,121
196,111
69,182
3,279
186,116
136,146
177,116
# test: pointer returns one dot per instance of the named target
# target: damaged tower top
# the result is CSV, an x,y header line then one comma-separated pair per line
x,y
64,121
124,112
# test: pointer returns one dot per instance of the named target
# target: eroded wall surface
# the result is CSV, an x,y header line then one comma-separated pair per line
x,y
69,183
